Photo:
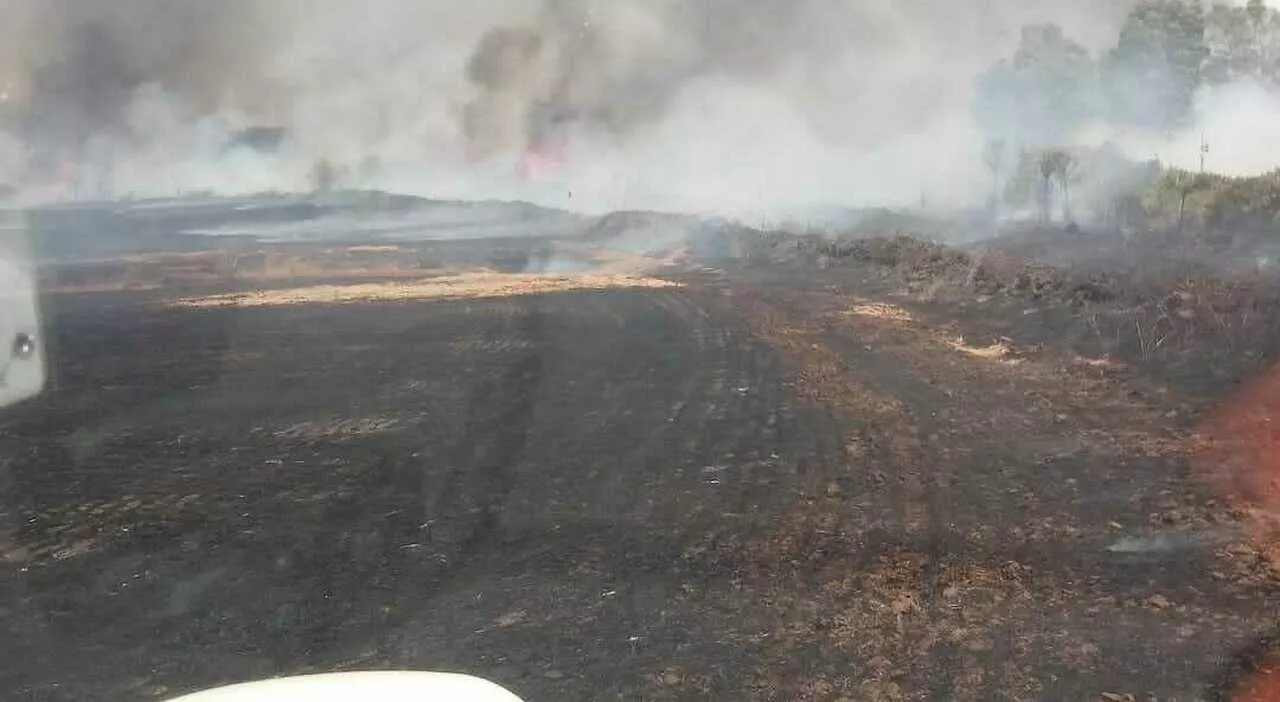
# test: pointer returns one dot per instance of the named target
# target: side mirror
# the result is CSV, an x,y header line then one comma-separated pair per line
x,y
22,359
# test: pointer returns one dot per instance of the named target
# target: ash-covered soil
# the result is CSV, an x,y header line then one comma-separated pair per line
x,y
621,479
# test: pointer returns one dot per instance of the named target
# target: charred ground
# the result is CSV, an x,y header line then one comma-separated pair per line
x,y
774,468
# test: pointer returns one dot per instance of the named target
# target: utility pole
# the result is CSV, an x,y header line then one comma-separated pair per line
x,y
1204,150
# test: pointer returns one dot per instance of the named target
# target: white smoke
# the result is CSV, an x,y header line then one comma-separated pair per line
x,y
733,107
1239,123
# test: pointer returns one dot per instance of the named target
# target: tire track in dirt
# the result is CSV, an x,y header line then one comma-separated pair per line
x,y
661,442
886,435
489,444
887,430
999,584
519,487
717,491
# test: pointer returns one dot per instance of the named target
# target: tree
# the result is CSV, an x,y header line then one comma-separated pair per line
x,y
1257,12
1055,165
1040,95
1110,185
1187,183
1068,173
1151,76
1022,186
1242,42
1265,25
1231,45
1035,178
993,155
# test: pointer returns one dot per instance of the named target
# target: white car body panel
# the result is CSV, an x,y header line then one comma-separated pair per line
x,y
22,358
361,687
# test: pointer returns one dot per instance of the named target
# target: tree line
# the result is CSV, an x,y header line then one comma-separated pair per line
x,y
1034,102
1166,51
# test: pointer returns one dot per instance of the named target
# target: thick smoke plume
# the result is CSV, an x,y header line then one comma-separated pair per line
x,y
734,106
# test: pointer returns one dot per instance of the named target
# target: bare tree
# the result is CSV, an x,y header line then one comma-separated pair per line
x,y
1067,173
994,156
1186,184
1055,164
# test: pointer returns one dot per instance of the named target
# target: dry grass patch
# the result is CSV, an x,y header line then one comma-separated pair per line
x,y
456,287
999,351
882,311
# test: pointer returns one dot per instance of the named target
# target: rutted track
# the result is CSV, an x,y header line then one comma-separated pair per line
x,y
722,490
1009,564
540,489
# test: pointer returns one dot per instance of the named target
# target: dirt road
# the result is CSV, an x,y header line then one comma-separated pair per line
x,y
728,485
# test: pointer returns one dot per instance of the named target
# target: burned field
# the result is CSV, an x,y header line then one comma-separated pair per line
x,y
606,480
